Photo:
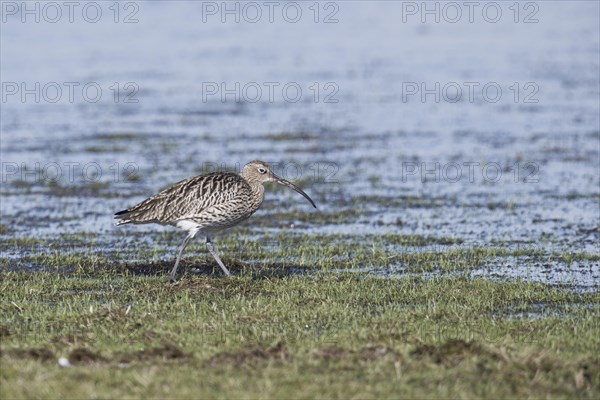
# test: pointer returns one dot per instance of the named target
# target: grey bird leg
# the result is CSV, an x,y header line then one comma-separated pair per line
x,y
186,241
210,248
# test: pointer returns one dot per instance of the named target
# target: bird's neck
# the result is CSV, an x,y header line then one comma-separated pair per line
x,y
258,191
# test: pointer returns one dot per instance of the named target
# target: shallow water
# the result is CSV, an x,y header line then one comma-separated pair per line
x,y
521,167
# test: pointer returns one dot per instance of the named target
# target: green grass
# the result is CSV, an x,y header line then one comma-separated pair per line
x,y
292,322
255,335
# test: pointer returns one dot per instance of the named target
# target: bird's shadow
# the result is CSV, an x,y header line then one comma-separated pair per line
x,y
189,269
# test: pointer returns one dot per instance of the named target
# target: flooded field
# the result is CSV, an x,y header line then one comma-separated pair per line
x,y
433,129
444,145
411,128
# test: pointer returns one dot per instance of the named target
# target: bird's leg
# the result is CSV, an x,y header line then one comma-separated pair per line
x,y
210,248
186,241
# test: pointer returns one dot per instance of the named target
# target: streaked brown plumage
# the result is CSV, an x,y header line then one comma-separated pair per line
x,y
207,203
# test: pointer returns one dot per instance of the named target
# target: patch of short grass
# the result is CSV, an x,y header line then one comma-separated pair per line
x,y
286,136
326,335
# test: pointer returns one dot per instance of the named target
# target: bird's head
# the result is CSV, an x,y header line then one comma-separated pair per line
x,y
259,172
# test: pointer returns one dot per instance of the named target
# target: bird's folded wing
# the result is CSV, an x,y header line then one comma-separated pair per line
x,y
186,199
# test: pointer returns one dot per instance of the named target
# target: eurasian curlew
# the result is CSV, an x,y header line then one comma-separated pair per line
x,y
207,203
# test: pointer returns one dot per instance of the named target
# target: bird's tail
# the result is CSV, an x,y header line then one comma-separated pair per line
x,y
121,216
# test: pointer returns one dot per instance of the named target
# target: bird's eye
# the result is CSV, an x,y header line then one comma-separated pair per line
x,y
262,170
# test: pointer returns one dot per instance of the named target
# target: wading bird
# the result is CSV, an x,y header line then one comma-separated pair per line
x,y
207,203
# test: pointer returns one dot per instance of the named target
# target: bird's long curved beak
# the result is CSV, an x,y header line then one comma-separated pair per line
x,y
289,184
